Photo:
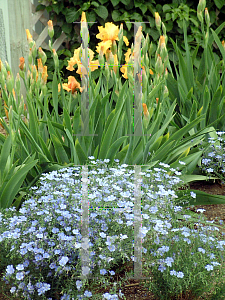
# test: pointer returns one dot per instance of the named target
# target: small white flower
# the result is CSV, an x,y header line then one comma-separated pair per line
x,y
193,195
209,267
201,210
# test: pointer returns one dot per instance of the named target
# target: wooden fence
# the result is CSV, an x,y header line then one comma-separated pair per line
x,y
19,16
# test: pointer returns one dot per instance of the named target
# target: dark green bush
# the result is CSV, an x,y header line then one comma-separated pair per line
x,y
99,12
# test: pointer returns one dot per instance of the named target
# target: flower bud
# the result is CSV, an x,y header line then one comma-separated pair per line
x,y
114,48
30,57
201,5
101,58
10,115
21,106
166,73
18,84
165,92
144,81
207,17
115,67
34,51
223,44
164,29
44,76
22,64
145,45
42,55
162,46
146,115
35,73
50,29
110,60
158,21
3,71
8,67
107,71
6,110
159,65
200,17
146,60
9,82
50,45
83,17
29,38
120,34
151,49
56,60
40,65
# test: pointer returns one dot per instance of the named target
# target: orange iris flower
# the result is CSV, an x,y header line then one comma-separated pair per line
x,y
76,60
21,65
72,85
29,36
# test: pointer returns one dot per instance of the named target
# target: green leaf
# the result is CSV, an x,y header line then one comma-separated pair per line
x,y
58,7
67,121
115,2
219,44
102,12
143,8
4,154
95,4
12,187
166,8
194,21
103,1
203,198
125,2
116,16
219,3
80,152
137,17
55,94
45,149
48,8
60,152
72,15
33,121
129,25
217,31
40,7
113,150
85,6
109,130
73,151
213,113
67,27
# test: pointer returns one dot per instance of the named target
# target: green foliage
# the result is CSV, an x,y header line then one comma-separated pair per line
x,y
101,11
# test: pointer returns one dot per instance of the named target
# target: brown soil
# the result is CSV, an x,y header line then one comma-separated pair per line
x,y
215,211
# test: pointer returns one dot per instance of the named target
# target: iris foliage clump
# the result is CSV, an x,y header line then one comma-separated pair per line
x,y
42,240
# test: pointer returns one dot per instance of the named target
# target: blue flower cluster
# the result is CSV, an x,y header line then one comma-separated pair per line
x,y
45,234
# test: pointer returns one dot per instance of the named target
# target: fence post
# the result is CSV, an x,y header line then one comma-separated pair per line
x,y
19,13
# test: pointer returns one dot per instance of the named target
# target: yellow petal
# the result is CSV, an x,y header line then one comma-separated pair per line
x,y
125,39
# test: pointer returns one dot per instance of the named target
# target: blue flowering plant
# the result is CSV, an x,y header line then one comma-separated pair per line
x,y
213,161
44,244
